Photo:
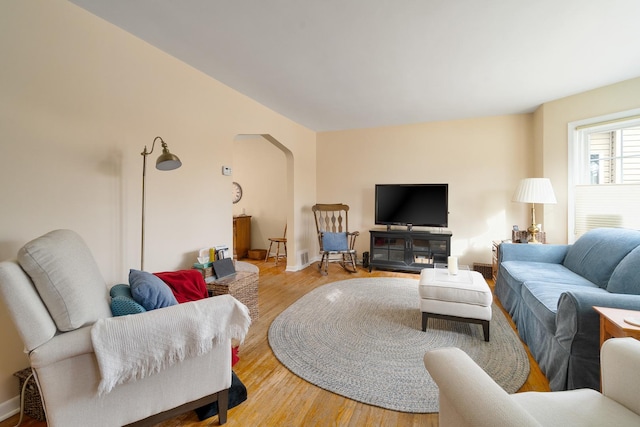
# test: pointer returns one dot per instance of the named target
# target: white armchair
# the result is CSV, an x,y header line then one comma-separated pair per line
x,y
58,299
469,397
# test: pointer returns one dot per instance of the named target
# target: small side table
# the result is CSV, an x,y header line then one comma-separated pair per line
x,y
612,324
243,285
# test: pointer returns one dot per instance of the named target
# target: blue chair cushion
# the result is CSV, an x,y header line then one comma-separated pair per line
x,y
334,241
150,291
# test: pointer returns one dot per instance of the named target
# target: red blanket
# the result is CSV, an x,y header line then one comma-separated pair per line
x,y
186,285
189,285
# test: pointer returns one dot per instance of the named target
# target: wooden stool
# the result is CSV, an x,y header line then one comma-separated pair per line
x,y
278,241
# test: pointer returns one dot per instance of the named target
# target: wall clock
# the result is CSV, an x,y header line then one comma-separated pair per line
x,y
236,192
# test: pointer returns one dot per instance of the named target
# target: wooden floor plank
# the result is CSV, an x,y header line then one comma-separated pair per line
x,y
279,398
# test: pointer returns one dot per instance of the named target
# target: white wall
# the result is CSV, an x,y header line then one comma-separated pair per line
x,y
482,160
552,124
79,100
261,169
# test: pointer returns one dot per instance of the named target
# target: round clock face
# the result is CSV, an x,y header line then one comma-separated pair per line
x,y
236,192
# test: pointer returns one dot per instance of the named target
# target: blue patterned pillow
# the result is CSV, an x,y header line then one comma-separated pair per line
x,y
122,302
334,241
150,291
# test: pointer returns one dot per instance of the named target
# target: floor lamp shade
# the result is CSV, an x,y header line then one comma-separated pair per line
x,y
534,190
165,162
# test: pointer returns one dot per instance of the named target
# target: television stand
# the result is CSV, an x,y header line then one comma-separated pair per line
x,y
408,250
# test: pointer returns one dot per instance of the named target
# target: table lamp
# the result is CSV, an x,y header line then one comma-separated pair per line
x,y
534,190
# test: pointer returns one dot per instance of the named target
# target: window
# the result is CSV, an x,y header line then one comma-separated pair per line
x,y
604,187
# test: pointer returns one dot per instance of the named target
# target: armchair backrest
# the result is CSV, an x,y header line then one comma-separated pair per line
x,y
620,365
55,285
29,314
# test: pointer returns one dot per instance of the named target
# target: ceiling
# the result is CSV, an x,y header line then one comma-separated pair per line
x,y
347,64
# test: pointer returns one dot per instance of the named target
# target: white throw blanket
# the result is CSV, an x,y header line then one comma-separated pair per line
x,y
129,348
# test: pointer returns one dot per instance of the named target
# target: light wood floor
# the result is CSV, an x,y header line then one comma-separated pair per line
x,y
276,397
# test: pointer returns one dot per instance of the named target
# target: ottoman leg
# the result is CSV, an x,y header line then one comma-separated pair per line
x,y
485,328
425,317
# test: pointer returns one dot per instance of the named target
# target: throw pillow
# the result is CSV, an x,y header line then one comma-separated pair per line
x,y
67,278
149,291
122,302
334,241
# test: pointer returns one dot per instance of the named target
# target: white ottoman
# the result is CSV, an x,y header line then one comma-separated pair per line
x,y
465,297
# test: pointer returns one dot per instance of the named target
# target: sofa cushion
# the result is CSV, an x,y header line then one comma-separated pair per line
x,y
67,278
625,278
525,271
150,291
541,299
596,253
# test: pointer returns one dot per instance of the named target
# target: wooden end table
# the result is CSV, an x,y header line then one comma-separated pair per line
x,y
612,324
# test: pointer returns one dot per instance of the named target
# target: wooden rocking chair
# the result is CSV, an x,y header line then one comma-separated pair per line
x,y
332,226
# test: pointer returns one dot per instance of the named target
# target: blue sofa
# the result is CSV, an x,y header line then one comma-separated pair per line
x,y
550,291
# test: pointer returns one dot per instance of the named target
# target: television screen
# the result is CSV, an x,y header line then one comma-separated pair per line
x,y
412,204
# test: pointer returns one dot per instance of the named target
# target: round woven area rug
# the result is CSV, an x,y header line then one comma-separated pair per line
x,y
363,339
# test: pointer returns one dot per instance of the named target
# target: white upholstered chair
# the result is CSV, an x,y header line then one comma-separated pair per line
x,y
57,299
469,397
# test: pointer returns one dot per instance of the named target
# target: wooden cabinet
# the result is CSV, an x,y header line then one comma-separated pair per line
x,y
241,236
408,250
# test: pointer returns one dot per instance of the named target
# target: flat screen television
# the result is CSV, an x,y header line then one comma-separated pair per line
x,y
424,205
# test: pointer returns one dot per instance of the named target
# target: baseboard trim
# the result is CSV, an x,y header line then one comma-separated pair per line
x,y
9,408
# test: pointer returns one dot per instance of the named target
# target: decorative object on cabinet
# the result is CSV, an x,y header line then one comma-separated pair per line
x,y
165,162
241,236
525,236
534,190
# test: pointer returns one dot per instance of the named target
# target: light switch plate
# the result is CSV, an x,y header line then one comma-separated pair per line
x,y
226,171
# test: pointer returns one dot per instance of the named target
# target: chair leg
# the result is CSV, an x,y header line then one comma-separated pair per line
x,y
266,258
223,406
277,252
324,261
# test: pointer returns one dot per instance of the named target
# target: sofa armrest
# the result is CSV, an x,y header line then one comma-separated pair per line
x,y
470,397
578,324
620,373
530,252
578,330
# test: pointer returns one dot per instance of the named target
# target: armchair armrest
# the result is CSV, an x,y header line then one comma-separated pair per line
x,y
128,348
62,346
530,252
352,238
620,373
470,397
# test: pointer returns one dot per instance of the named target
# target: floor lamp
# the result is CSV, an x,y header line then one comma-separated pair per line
x,y
534,190
166,162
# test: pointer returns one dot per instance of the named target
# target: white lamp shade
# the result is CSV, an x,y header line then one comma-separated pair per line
x,y
534,190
